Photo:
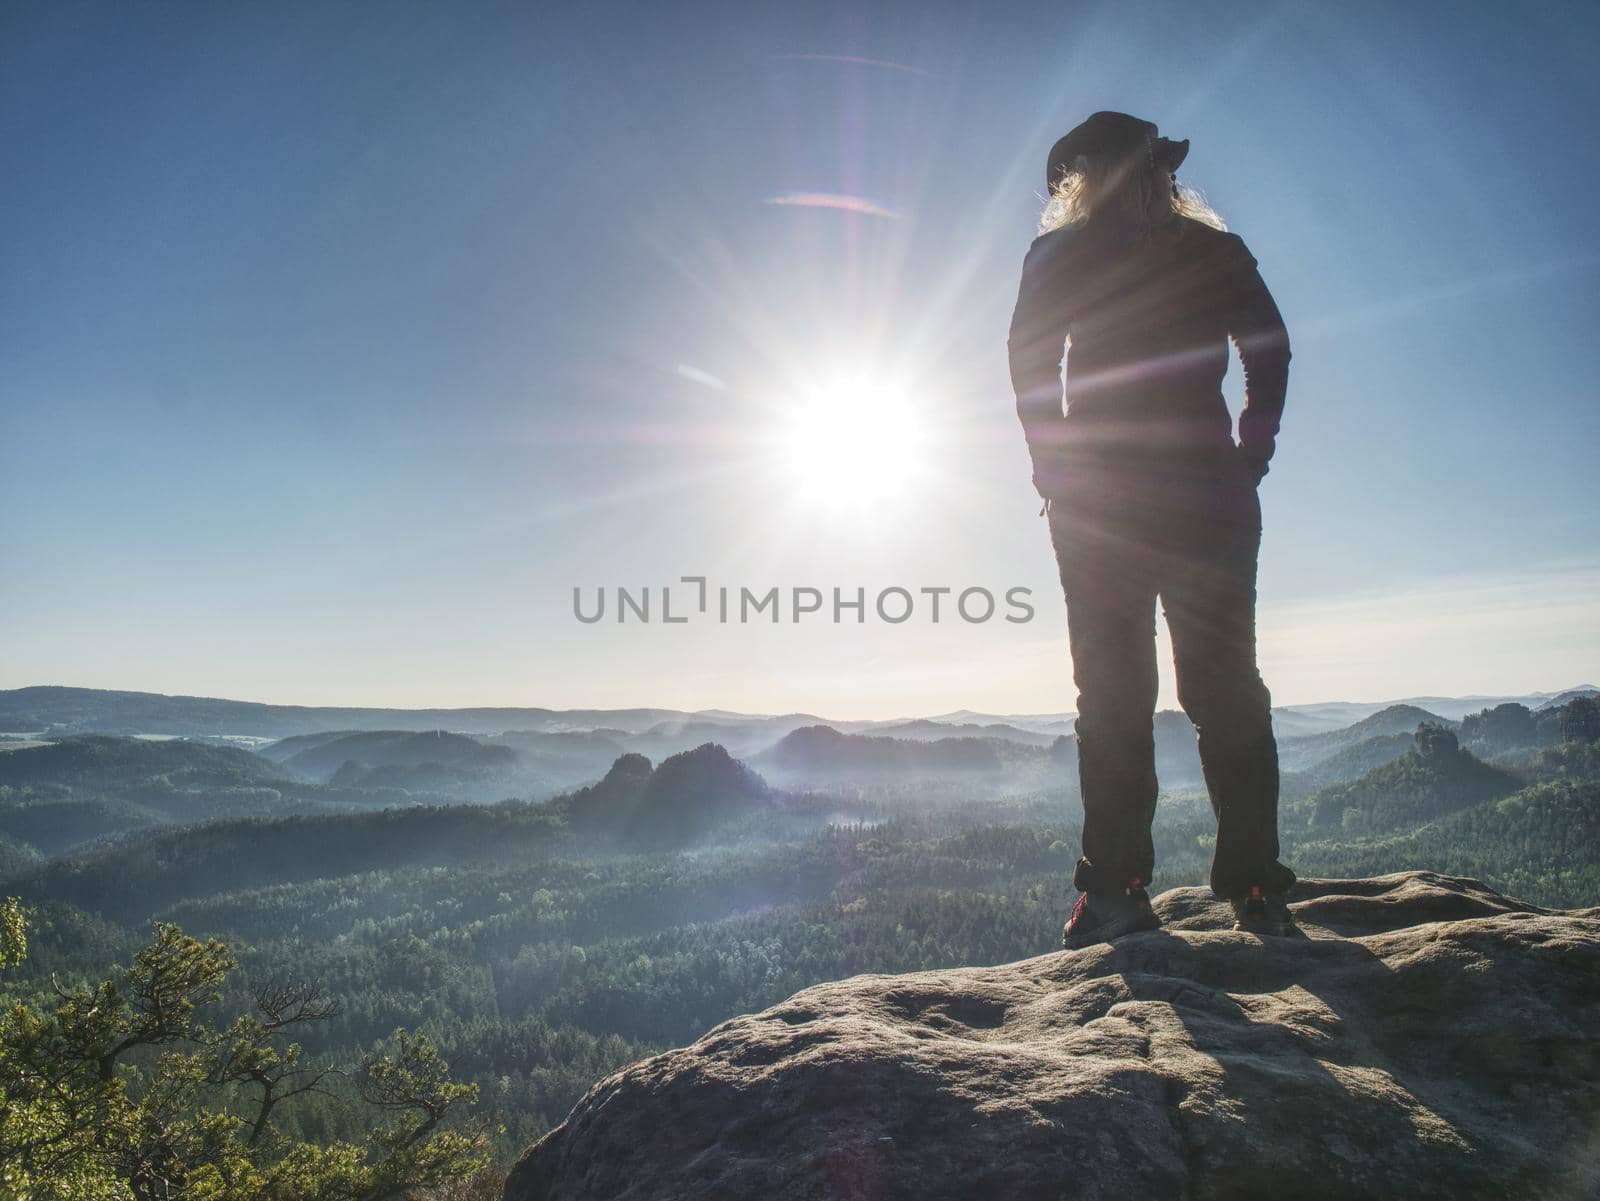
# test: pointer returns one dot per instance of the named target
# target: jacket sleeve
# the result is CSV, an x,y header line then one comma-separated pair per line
x,y
1039,326
1257,330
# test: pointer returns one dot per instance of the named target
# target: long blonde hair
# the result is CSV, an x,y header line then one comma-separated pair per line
x,y
1089,186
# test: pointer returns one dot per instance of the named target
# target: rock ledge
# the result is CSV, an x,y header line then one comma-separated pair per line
x,y
1427,1038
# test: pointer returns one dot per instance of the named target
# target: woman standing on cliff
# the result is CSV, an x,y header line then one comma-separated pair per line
x,y
1149,497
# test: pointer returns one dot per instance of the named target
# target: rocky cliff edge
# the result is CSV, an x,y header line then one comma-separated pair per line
x,y
1427,1037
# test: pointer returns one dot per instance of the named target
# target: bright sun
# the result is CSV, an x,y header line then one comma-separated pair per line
x,y
853,442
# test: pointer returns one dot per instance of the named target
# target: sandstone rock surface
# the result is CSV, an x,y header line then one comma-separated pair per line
x,y
1426,1038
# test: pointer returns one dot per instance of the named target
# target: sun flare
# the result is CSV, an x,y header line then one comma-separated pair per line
x,y
853,442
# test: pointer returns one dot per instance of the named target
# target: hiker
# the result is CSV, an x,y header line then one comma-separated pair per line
x,y
1149,497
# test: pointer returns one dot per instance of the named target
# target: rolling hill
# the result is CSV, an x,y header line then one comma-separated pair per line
x,y
1303,753
1433,779
376,749
70,792
682,799
817,754
1539,839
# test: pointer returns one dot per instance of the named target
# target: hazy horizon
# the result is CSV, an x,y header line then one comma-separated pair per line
x,y
824,715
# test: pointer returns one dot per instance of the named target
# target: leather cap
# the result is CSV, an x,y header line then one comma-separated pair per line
x,y
1113,135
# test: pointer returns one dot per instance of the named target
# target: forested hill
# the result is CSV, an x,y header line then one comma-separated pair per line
x,y
107,764
636,806
1296,752
1539,840
395,752
139,875
1434,778
58,796
821,753
823,756
683,799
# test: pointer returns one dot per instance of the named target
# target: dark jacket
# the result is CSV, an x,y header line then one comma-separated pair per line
x,y
1149,322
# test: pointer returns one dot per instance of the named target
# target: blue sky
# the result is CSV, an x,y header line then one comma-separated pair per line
x,y
341,342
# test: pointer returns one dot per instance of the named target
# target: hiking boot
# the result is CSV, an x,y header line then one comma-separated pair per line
x,y
1263,913
1102,916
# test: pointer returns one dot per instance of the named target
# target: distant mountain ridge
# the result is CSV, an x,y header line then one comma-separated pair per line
x,y
95,710
1296,753
926,729
59,710
64,792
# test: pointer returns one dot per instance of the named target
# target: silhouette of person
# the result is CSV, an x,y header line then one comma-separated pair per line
x,y
1149,497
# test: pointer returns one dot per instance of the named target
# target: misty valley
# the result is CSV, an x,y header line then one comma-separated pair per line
x,y
549,896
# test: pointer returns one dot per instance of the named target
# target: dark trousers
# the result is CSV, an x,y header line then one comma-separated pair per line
x,y
1189,537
